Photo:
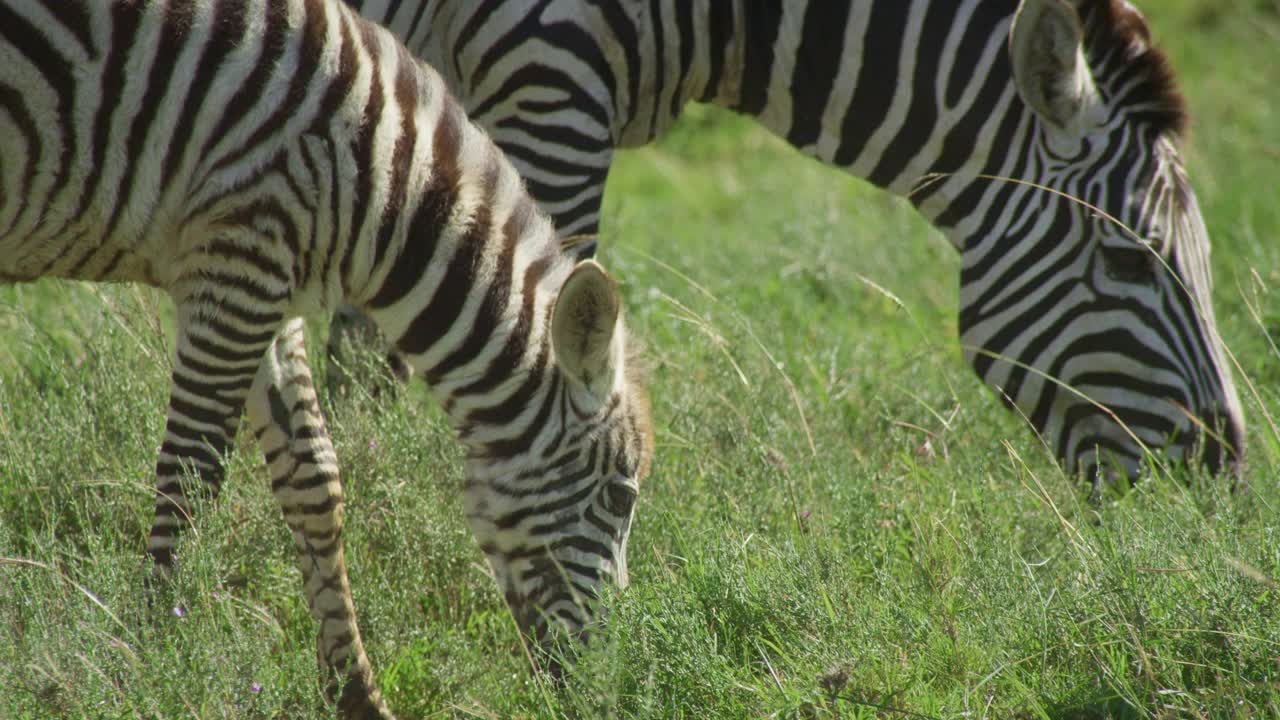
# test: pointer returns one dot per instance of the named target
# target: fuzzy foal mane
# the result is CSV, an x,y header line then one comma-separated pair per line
x,y
1118,39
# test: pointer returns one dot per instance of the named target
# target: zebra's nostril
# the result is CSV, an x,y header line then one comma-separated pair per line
x,y
1233,438
1223,444
1211,455
552,666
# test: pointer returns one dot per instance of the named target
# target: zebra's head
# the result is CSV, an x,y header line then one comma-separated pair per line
x,y
1085,288
553,514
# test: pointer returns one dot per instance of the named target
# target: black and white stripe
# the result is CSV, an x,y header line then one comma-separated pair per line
x,y
925,98
259,159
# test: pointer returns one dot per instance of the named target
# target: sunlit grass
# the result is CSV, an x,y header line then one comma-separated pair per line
x,y
840,521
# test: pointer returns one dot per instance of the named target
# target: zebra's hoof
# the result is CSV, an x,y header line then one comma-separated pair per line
x,y
360,702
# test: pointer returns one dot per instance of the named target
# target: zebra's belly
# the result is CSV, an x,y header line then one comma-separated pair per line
x,y
80,250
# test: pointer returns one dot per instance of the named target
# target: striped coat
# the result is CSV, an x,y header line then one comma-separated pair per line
x,y
260,159
1040,136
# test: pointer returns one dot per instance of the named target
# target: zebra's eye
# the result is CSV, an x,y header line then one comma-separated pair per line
x,y
1133,264
618,498
1125,258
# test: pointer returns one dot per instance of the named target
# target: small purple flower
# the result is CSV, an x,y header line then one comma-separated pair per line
x,y
804,515
177,612
373,445
255,688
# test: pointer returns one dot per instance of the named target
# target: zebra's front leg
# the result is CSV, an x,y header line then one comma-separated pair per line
x,y
285,416
219,348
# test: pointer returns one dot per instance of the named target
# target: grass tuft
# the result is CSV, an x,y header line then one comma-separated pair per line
x,y
840,522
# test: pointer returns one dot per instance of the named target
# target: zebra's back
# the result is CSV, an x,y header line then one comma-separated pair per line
x,y
139,130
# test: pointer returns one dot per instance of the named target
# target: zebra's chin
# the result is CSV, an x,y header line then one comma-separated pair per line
x,y
1108,450
552,568
554,594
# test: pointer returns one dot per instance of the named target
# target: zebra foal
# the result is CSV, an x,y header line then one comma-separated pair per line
x,y
259,159
1040,136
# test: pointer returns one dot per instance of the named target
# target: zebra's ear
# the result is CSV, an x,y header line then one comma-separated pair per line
x,y
584,329
1046,47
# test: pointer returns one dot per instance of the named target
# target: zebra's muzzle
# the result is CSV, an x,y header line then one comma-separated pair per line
x,y
1221,449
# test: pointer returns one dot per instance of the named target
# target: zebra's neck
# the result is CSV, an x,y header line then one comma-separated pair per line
x,y
466,293
915,96
903,93
482,342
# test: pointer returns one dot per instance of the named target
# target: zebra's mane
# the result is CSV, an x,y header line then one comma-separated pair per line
x,y
1119,33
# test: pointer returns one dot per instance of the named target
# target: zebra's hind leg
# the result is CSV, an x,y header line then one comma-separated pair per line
x,y
219,347
285,416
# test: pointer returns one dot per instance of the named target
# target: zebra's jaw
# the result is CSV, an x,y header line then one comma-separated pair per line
x,y
550,583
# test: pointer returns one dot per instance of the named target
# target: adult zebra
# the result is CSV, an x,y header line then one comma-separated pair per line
x,y
1070,309
277,156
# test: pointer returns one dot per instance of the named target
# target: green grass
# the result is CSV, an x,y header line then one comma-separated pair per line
x,y
840,522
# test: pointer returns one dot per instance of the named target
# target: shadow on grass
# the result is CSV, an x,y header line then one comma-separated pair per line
x,y
1114,708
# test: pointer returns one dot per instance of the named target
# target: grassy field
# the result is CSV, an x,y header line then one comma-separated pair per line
x,y
841,522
